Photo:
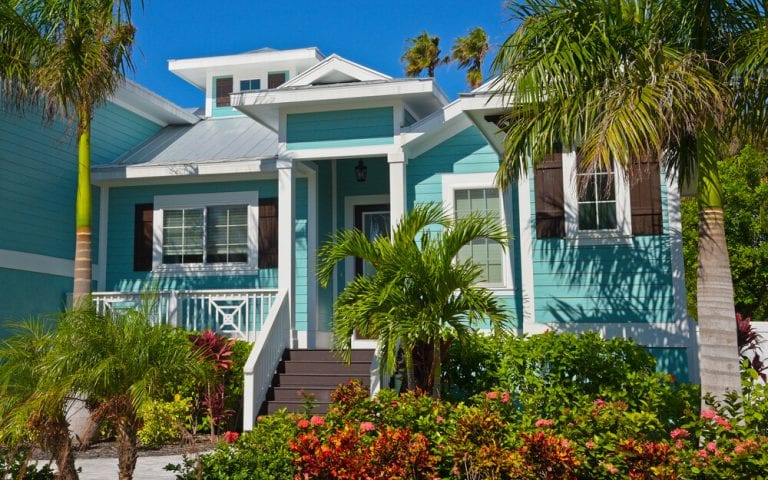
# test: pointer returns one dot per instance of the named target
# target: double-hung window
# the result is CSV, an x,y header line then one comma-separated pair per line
x,y
465,194
596,198
206,231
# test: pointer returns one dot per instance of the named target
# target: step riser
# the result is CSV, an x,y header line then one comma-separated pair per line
x,y
330,381
327,368
319,409
282,394
329,356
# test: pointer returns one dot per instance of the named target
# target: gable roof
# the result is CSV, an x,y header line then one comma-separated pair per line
x,y
335,69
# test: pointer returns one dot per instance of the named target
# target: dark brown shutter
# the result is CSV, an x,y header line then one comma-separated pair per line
x,y
267,233
645,198
276,79
548,186
142,238
224,87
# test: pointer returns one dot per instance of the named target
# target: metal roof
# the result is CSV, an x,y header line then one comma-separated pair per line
x,y
208,141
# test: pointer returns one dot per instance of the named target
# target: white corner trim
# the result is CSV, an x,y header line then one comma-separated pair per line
x,y
350,202
461,181
203,200
101,272
32,262
526,249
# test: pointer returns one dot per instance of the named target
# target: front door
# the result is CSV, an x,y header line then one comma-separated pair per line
x,y
373,221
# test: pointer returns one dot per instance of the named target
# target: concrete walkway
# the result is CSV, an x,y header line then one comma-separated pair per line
x,y
147,468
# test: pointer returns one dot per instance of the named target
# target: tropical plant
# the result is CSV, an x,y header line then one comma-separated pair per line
x,y
419,294
470,52
214,351
120,362
65,58
32,409
628,80
423,53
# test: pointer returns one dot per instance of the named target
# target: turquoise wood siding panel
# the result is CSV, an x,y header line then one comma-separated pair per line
x,y
120,274
408,118
340,128
671,360
465,152
302,272
115,130
38,168
17,301
604,283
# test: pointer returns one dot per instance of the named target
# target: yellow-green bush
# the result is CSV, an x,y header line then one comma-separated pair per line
x,y
163,421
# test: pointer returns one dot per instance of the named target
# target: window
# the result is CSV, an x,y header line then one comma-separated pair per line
x,y
275,79
486,253
246,85
206,231
224,86
464,194
142,237
596,198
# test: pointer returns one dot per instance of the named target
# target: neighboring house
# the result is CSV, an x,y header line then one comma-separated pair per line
x,y
222,217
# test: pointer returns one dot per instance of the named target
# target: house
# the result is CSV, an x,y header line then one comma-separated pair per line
x,y
221,213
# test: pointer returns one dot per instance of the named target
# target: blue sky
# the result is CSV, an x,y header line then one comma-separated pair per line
x,y
369,32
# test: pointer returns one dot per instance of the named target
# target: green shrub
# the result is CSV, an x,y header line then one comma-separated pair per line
x,y
14,464
262,454
163,422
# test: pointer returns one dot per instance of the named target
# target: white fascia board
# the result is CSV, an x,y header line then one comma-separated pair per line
x,y
343,152
147,104
415,146
331,64
190,69
106,175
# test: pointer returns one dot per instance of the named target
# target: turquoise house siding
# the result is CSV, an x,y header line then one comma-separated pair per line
x,y
671,360
115,130
604,283
465,152
18,302
340,128
120,274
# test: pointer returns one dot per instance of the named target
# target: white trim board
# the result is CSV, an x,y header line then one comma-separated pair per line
x,y
32,262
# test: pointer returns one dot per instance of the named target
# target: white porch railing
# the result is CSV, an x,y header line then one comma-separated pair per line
x,y
274,338
236,313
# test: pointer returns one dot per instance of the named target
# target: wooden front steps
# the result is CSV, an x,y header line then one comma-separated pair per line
x,y
313,372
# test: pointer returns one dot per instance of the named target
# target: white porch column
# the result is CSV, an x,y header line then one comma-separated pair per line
x,y
397,198
286,232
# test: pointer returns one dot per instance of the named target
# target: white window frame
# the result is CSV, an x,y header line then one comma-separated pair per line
x,y
623,231
471,181
205,200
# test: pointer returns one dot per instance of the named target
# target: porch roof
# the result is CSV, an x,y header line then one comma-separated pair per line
x,y
210,141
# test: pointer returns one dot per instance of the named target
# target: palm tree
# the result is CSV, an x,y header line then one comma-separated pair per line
x,y
67,57
419,293
31,404
120,362
423,53
635,79
470,52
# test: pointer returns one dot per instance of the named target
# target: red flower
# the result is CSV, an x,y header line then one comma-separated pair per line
x,y
679,433
491,395
505,397
544,423
303,423
231,437
367,427
317,421
710,414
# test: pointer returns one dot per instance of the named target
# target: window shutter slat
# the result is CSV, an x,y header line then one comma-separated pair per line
x,y
268,233
550,207
142,238
645,198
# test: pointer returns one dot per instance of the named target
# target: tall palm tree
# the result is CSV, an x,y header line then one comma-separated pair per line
x,y
66,57
120,361
470,51
423,54
635,79
31,404
419,293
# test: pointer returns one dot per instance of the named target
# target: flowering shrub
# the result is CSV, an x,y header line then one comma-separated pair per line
x,y
163,422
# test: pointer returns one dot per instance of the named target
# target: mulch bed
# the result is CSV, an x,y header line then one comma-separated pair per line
x,y
108,449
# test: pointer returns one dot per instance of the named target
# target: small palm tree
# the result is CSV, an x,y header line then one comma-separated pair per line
x,y
31,404
67,57
120,362
423,54
419,293
470,51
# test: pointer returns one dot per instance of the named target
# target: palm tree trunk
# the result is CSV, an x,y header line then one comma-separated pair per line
x,y
60,445
83,255
127,450
410,375
437,367
718,354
